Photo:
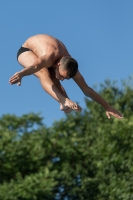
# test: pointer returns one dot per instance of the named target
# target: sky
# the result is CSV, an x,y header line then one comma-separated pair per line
x,y
97,33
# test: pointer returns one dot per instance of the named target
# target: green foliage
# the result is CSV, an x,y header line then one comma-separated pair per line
x,y
83,156
26,169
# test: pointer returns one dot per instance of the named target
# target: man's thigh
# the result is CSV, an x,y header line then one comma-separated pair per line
x,y
48,75
28,58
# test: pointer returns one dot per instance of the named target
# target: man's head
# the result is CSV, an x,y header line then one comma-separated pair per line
x,y
67,68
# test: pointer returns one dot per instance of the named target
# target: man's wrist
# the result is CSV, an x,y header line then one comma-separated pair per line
x,y
27,71
106,106
22,73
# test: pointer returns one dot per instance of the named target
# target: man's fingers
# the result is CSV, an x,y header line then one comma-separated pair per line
x,y
14,78
13,82
19,83
108,115
68,110
117,115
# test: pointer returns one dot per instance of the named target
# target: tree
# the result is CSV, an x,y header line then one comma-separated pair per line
x,y
83,156
25,165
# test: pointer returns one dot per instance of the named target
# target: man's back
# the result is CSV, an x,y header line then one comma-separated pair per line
x,y
42,44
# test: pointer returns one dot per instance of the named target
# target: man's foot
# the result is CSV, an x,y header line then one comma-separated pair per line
x,y
66,109
70,104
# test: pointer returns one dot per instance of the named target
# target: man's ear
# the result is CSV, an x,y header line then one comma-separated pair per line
x,y
58,64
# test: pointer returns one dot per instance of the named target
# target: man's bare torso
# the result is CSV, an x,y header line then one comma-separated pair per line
x,y
43,44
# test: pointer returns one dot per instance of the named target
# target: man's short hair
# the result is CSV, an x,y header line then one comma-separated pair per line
x,y
70,65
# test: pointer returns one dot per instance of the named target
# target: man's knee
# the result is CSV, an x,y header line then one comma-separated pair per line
x,y
42,73
46,75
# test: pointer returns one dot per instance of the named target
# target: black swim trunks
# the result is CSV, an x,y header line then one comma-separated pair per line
x,y
21,50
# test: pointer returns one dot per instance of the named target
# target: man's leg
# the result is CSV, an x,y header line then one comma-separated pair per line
x,y
60,88
57,82
44,75
52,87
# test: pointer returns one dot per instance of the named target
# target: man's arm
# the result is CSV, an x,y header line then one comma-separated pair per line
x,y
89,92
44,61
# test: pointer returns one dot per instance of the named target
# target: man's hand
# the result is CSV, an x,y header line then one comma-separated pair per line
x,y
16,78
69,105
111,111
